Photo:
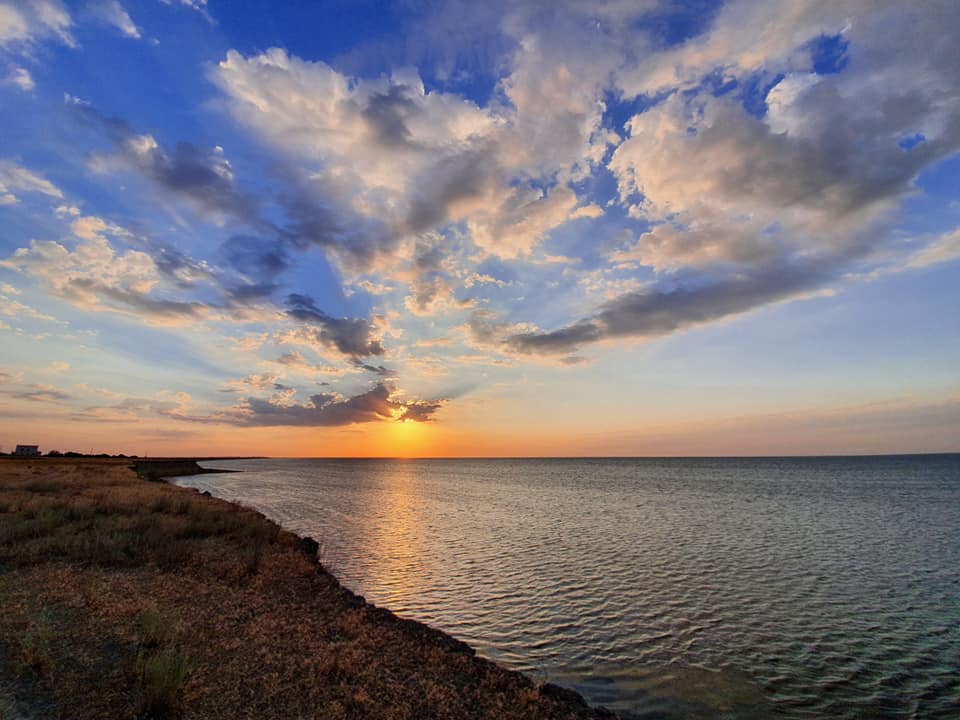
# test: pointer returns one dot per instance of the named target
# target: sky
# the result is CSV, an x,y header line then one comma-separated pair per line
x,y
424,228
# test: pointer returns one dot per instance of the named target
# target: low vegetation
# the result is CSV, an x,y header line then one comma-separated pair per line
x,y
123,598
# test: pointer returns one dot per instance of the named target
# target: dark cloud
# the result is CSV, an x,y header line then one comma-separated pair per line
x,y
563,340
202,177
141,303
485,327
350,336
387,113
173,263
38,393
660,311
326,410
315,220
451,179
259,261
421,411
255,256
375,369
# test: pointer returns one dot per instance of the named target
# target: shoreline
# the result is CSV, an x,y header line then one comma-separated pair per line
x,y
247,605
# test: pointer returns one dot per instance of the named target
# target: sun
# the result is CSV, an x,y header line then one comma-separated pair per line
x,y
405,438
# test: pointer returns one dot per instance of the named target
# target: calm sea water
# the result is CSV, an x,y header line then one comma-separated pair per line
x,y
734,588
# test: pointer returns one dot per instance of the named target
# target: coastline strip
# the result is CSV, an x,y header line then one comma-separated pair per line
x,y
126,598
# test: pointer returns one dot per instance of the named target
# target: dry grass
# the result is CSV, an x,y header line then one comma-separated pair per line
x,y
123,598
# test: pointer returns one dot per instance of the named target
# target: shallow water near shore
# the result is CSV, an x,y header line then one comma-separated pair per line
x,y
713,588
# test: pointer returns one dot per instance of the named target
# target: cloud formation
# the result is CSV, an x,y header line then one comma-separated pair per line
x,y
551,177
14,177
353,337
26,22
113,13
329,410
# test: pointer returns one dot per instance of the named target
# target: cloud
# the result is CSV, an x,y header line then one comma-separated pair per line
x,y
175,406
25,22
16,177
658,311
388,150
350,336
199,5
328,410
945,248
94,276
20,77
38,393
563,340
202,178
112,13
16,309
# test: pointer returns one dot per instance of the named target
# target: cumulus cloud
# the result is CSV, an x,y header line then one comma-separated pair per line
x,y
746,174
414,159
94,276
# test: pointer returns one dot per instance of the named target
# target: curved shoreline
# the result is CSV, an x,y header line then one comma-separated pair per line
x,y
224,573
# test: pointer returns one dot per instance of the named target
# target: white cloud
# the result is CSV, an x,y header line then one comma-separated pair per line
x,y
945,248
16,177
27,21
22,78
113,13
57,368
64,211
420,161
199,5
16,309
90,227
822,169
94,276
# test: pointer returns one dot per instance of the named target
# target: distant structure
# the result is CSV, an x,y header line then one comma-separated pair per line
x,y
27,451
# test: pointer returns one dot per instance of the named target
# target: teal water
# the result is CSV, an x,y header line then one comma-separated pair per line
x,y
713,588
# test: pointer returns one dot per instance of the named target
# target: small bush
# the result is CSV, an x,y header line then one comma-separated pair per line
x,y
154,627
35,648
252,555
163,674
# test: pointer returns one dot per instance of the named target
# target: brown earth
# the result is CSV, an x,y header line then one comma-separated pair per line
x,y
123,598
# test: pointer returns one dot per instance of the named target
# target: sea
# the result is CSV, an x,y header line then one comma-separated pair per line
x,y
661,588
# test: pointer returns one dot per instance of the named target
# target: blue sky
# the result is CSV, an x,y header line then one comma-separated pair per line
x,y
434,228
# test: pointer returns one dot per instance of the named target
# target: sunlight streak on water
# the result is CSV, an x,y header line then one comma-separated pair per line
x,y
666,588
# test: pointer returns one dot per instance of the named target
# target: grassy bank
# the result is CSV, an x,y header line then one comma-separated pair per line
x,y
122,598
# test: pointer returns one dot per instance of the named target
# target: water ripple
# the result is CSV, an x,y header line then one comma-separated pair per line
x,y
662,588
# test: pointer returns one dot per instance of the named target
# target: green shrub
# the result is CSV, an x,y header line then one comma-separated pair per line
x,y
163,675
154,627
